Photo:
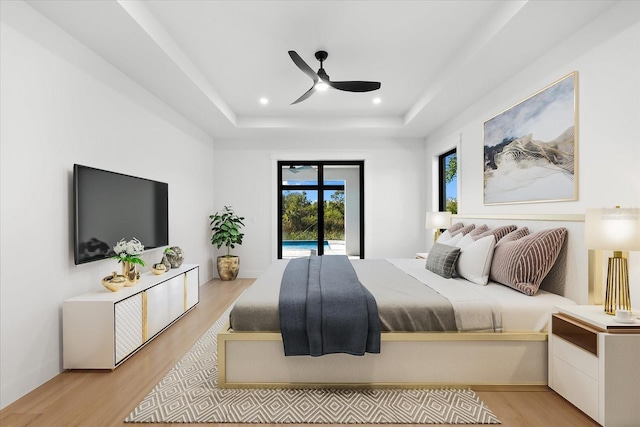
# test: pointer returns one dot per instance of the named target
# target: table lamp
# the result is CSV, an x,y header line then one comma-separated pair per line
x,y
438,221
618,230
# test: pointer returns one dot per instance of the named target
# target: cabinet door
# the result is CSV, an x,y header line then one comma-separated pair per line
x,y
128,326
192,296
165,303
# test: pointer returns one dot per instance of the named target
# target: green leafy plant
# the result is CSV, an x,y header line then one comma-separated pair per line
x,y
226,226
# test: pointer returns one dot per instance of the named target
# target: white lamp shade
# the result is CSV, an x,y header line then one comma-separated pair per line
x,y
616,229
438,220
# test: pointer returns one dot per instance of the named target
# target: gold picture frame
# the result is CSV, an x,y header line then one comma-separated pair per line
x,y
531,148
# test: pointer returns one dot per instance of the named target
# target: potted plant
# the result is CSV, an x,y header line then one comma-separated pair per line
x,y
225,226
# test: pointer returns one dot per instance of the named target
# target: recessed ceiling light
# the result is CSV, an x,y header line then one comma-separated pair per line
x,y
377,100
264,101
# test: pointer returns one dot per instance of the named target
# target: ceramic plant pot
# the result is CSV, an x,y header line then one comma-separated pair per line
x,y
228,267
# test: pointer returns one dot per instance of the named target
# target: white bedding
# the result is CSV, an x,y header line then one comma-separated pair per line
x,y
520,312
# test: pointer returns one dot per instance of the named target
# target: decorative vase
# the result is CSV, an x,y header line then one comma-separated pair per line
x,y
166,263
158,268
130,272
228,267
115,282
175,256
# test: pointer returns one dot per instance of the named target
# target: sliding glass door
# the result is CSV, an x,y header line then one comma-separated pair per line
x,y
321,208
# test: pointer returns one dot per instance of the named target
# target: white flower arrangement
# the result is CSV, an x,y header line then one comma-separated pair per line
x,y
129,251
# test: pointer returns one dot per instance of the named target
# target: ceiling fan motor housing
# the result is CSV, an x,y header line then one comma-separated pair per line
x,y
321,55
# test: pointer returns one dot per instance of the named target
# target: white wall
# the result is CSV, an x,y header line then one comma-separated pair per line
x,y
351,176
394,181
61,104
606,54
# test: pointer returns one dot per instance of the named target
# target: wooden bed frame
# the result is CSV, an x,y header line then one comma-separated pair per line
x,y
416,359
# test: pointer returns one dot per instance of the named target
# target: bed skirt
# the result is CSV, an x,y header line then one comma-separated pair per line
x,y
407,359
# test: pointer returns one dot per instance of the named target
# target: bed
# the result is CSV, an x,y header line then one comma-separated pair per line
x,y
507,347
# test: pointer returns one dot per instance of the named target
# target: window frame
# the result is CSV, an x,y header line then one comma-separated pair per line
x,y
442,183
320,188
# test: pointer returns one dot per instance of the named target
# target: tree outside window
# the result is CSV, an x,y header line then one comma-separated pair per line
x,y
449,182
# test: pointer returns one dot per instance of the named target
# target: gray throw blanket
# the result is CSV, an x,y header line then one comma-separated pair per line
x,y
325,309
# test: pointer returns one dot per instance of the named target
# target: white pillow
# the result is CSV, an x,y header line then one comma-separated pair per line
x,y
444,237
475,258
465,241
451,241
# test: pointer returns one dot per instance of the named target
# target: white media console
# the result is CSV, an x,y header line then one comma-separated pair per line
x,y
102,329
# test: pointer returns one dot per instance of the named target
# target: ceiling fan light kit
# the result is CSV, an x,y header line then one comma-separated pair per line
x,y
321,80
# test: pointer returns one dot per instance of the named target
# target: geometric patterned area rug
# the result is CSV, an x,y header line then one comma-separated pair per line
x,y
189,394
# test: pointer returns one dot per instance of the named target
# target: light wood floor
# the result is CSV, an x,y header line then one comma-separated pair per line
x,y
103,398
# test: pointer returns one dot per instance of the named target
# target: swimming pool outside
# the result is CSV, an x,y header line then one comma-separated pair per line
x,y
300,248
303,244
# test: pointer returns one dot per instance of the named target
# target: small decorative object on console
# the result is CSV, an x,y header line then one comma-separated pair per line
x,y
128,253
174,255
158,268
114,282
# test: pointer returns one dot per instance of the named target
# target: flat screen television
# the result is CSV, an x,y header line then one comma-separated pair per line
x,y
111,206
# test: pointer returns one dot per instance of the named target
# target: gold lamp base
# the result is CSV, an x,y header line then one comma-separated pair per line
x,y
437,234
617,296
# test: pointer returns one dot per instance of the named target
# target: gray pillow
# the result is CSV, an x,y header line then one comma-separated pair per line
x,y
442,259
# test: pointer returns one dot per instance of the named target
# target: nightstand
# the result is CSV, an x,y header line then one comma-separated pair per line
x,y
594,363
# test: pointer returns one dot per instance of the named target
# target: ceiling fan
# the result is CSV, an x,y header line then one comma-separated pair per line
x,y
296,169
321,79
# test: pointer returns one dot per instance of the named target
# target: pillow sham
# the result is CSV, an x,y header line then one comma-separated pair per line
x,y
444,237
455,227
463,230
474,261
514,235
523,263
479,230
498,232
448,240
442,259
446,234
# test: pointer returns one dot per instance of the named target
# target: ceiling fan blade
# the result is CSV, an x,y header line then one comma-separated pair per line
x,y
355,86
303,66
305,95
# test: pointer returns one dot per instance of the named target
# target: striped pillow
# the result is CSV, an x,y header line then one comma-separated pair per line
x,y
514,235
463,230
523,263
478,230
498,232
442,260
455,227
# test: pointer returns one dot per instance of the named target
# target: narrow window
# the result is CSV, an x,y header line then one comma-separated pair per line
x,y
448,177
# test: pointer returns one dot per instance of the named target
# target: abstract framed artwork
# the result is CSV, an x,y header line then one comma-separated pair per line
x,y
530,149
